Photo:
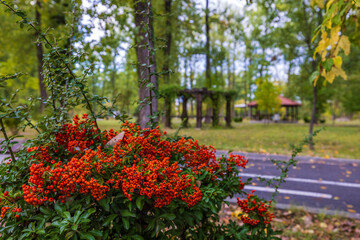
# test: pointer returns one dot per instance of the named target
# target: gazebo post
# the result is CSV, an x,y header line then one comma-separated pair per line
x,y
184,115
293,110
198,97
296,113
293,113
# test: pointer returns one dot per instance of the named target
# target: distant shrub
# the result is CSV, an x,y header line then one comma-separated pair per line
x,y
12,124
306,119
322,121
238,119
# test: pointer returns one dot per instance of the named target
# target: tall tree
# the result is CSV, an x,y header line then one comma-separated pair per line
x,y
146,65
40,53
207,46
167,53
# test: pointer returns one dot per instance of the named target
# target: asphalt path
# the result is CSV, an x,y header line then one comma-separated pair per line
x,y
320,185
331,186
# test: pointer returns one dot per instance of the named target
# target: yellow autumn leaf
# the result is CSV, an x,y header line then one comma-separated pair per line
x,y
334,35
339,72
344,43
315,80
236,213
328,23
323,72
323,225
330,76
320,3
329,4
323,48
315,51
337,61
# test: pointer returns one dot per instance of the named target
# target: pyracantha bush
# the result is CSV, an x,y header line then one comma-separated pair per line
x,y
146,186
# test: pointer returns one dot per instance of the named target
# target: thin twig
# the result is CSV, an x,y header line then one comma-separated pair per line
x,y
7,140
62,60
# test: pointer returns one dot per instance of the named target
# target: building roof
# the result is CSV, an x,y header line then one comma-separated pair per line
x,y
284,102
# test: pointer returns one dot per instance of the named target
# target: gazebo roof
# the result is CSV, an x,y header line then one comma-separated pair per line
x,y
284,102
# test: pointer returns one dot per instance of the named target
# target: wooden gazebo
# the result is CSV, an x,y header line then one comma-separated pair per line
x,y
291,109
199,94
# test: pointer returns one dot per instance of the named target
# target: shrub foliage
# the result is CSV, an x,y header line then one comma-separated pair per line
x,y
146,186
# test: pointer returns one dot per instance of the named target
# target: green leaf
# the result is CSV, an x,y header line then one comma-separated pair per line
x,y
140,202
77,215
69,235
58,209
104,203
168,216
67,215
109,219
45,211
62,228
74,227
198,215
96,233
137,237
328,64
313,76
126,223
127,213
86,236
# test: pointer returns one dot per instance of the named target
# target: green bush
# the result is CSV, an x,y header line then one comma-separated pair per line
x,y
238,119
306,119
12,124
75,186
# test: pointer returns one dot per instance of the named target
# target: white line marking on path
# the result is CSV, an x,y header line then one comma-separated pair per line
x,y
304,180
293,192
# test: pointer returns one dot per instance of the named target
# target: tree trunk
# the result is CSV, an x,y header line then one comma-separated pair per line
x,y
39,53
167,50
207,46
146,62
167,55
191,79
113,77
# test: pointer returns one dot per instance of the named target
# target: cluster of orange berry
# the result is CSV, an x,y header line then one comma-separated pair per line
x,y
138,164
142,163
254,207
4,211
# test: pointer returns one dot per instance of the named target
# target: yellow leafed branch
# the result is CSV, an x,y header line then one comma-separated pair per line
x,y
333,38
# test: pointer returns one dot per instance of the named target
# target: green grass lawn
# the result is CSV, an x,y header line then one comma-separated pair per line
x,y
334,141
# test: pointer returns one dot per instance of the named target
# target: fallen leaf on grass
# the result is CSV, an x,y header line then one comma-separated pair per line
x,y
323,225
